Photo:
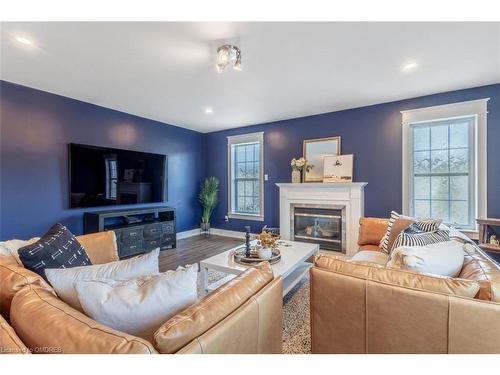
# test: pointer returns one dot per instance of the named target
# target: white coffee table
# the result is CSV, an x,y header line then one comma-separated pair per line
x,y
292,266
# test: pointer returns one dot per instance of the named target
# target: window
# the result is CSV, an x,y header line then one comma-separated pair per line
x,y
444,157
245,160
443,171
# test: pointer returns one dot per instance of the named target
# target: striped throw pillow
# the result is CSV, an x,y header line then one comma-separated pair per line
x,y
424,225
384,242
420,239
428,225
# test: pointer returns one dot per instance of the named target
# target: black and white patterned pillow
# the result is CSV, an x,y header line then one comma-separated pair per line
x,y
414,229
58,248
384,242
420,225
428,225
410,238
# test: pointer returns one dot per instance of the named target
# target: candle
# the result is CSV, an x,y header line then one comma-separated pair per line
x,y
247,241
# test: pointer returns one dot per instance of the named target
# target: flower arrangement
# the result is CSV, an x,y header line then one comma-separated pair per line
x,y
268,240
300,164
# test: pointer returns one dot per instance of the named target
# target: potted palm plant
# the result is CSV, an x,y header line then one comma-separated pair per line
x,y
208,198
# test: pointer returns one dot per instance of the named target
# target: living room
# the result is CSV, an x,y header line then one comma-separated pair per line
x,y
247,187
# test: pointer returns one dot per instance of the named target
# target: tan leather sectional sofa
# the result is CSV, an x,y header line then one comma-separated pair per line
x,y
361,307
242,316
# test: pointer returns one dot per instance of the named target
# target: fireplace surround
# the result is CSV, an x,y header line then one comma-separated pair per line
x,y
328,214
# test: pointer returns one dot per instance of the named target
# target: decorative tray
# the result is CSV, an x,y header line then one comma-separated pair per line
x,y
239,257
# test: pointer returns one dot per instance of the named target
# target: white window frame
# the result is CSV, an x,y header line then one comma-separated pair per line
x,y
242,139
472,108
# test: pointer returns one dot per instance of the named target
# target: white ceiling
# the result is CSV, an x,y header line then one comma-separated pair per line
x,y
166,71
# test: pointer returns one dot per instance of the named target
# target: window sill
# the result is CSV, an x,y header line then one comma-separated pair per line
x,y
245,217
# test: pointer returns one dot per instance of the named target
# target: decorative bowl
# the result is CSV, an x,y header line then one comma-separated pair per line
x,y
254,259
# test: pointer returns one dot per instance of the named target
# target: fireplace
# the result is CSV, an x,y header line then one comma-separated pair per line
x,y
346,197
321,224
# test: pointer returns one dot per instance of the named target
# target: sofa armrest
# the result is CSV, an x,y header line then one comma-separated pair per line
x,y
241,316
371,230
253,328
10,343
43,321
100,247
351,314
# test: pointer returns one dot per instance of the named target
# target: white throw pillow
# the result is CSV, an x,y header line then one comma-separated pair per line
x,y
63,279
443,258
139,306
9,248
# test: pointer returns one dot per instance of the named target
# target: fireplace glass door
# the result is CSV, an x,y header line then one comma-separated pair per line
x,y
319,225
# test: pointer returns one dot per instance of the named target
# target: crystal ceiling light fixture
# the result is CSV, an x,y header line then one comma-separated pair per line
x,y
228,55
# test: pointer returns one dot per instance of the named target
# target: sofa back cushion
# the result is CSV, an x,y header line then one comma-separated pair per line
x,y
481,268
200,317
10,343
404,278
13,278
371,230
100,247
42,320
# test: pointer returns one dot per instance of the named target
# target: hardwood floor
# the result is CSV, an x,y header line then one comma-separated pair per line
x,y
194,249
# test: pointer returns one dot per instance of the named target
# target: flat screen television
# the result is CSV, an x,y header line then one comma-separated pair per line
x,y
101,176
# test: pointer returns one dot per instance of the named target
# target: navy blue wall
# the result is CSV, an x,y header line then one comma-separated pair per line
x,y
372,134
36,128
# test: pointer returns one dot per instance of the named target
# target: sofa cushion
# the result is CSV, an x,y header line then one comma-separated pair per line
x,y
370,248
481,268
100,247
58,248
10,343
13,278
377,257
404,278
42,320
200,317
371,230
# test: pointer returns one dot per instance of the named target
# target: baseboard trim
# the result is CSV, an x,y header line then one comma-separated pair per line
x,y
188,233
215,231
229,233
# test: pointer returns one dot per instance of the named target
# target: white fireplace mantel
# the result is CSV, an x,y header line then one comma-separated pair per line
x,y
348,194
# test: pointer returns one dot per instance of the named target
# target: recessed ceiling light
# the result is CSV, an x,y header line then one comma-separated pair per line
x,y
409,66
23,40
209,110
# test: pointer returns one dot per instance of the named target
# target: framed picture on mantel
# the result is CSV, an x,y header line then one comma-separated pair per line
x,y
338,168
314,152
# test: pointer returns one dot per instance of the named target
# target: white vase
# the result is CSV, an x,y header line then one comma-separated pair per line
x,y
265,253
296,176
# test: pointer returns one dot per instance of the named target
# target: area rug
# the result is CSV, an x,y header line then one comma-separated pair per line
x,y
296,327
